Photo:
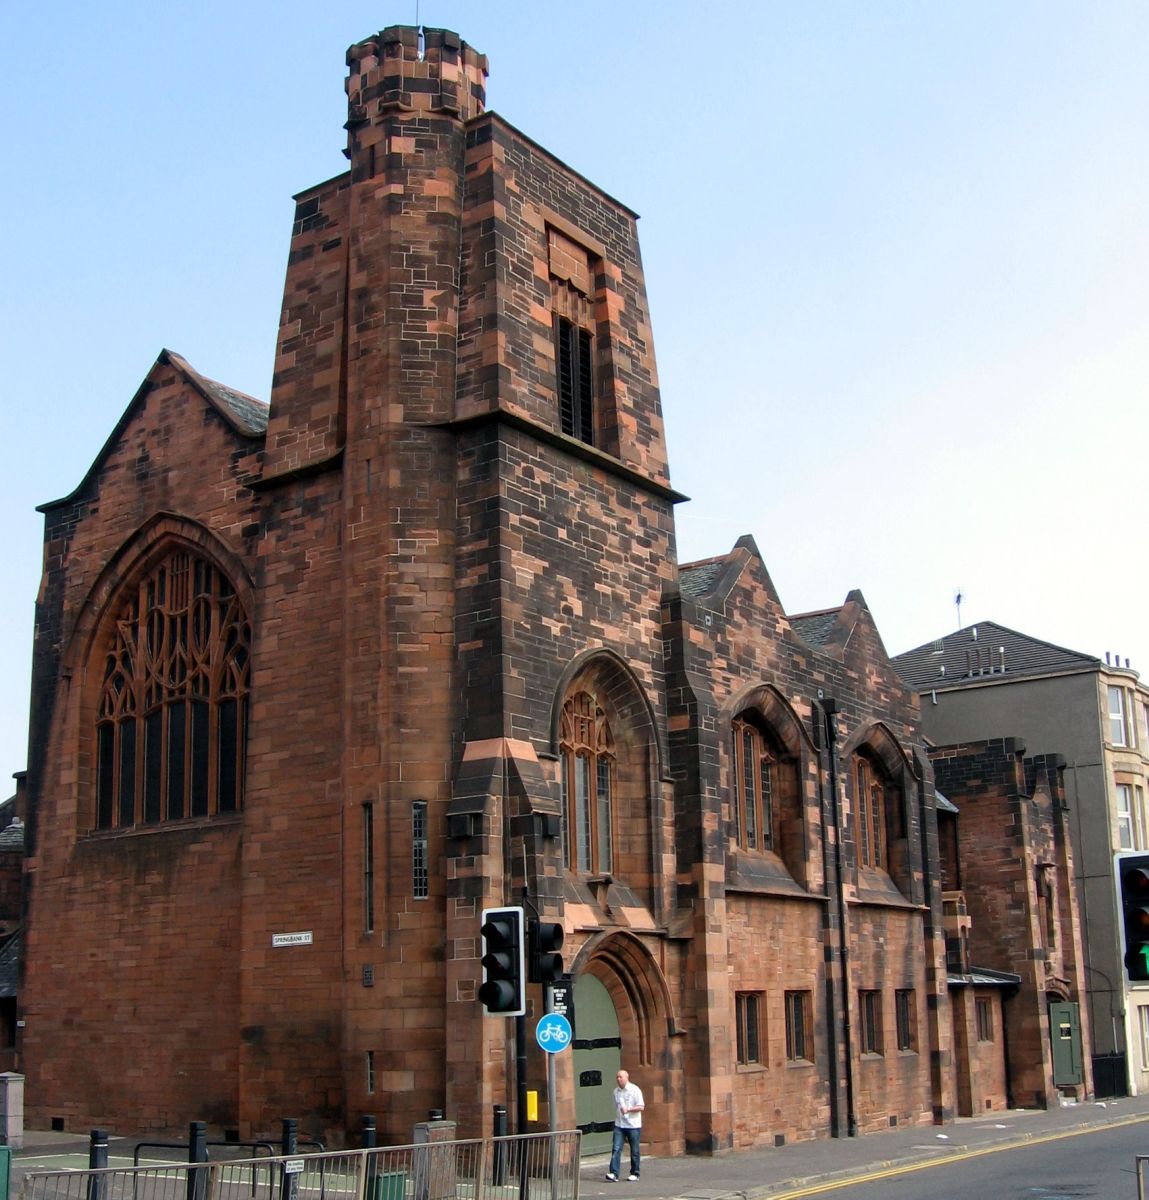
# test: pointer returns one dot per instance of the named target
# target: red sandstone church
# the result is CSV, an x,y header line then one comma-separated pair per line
x,y
316,682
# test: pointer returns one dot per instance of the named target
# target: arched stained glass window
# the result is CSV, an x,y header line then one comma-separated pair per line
x,y
587,750
755,768
870,803
172,723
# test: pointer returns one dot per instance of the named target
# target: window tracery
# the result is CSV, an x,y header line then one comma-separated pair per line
x,y
586,747
172,716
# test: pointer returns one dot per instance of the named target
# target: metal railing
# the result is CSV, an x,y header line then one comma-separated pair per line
x,y
540,1166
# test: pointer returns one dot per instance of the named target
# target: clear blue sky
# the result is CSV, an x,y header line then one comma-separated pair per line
x,y
897,257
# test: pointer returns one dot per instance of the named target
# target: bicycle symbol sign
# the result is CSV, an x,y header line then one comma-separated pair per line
x,y
553,1033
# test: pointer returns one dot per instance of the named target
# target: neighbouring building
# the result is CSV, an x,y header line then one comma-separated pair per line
x,y
986,682
11,920
1017,979
316,683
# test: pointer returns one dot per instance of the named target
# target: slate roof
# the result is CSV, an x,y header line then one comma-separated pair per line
x,y
245,412
815,628
696,579
12,835
985,651
10,964
944,804
984,977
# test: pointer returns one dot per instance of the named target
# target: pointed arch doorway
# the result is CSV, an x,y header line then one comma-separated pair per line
x,y
597,1052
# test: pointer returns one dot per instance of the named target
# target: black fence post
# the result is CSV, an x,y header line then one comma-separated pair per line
x,y
370,1141
499,1155
97,1161
289,1180
370,1133
197,1153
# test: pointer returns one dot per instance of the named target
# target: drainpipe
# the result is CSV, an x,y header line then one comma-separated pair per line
x,y
831,998
829,709
932,892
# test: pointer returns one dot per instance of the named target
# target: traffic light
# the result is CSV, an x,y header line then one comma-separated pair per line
x,y
545,963
1134,875
503,991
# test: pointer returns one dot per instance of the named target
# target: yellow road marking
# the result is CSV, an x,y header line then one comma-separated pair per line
x,y
834,1185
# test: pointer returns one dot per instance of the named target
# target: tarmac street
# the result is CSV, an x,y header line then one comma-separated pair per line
x,y
759,1174
740,1175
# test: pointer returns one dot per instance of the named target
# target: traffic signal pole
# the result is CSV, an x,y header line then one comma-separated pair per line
x,y
549,1006
520,1075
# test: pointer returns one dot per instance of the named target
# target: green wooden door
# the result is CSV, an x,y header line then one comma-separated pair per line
x,y
597,1058
1065,1031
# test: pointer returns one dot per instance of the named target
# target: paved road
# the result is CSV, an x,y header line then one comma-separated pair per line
x,y
773,1173
769,1172
1095,1164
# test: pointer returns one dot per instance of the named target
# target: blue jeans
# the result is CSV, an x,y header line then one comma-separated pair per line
x,y
631,1137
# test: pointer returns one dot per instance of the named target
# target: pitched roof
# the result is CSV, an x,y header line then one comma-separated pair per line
x,y
696,579
985,651
246,413
944,803
12,835
815,628
10,964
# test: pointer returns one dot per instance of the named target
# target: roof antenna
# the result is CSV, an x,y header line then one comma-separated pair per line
x,y
422,43
957,601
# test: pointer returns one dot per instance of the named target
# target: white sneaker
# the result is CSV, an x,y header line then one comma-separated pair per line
x,y
632,1178
611,1177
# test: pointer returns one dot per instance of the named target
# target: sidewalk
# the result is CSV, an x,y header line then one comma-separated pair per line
x,y
758,1174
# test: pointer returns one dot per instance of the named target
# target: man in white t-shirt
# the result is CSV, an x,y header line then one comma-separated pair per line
x,y
628,1106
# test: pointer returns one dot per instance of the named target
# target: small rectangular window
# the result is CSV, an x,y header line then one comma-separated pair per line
x,y
1125,816
1117,724
750,1008
984,1020
370,1071
870,1010
907,1019
420,875
799,1044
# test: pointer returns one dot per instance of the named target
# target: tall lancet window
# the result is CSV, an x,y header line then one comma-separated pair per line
x,y
588,767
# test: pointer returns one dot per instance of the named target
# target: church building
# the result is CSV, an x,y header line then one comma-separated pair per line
x,y
316,682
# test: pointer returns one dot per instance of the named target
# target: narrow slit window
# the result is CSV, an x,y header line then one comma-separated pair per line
x,y
368,868
574,365
420,873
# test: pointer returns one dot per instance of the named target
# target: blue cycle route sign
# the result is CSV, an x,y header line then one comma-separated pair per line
x,y
553,1033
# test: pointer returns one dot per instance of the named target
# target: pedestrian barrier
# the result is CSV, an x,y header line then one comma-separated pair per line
x,y
542,1166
